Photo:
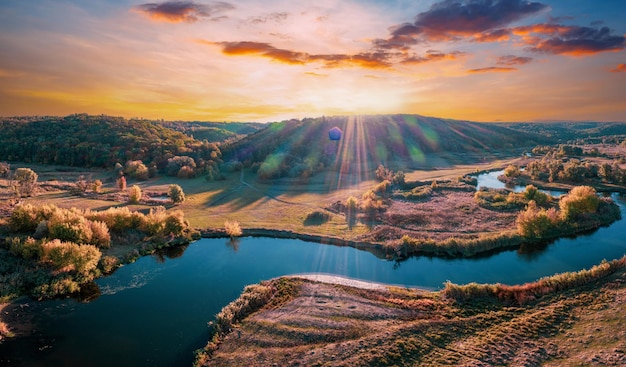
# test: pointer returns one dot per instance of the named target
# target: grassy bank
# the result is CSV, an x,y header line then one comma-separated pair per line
x,y
326,324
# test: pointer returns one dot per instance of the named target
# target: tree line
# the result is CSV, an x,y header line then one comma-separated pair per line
x,y
103,141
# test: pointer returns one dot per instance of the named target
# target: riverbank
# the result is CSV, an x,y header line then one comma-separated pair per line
x,y
463,246
324,323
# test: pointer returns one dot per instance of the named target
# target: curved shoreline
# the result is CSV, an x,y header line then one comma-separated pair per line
x,y
428,248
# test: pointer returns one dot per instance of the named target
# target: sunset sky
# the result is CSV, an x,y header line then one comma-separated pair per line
x,y
270,60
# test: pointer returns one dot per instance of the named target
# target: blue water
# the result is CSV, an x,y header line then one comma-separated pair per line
x,y
490,180
154,312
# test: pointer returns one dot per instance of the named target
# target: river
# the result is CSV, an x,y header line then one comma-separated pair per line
x,y
154,312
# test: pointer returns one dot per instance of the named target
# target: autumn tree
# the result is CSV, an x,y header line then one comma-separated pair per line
x,y
176,193
96,186
233,229
121,183
134,196
25,181
580,200
512,171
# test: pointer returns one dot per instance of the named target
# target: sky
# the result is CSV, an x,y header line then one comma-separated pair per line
x,y
271,60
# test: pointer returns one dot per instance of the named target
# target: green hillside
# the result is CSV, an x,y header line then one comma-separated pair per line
x,y
301,148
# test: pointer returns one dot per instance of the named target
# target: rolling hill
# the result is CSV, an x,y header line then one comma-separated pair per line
x,y
300,148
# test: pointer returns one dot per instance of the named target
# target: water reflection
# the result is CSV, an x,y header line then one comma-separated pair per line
x,y
169,253
88,292
233,243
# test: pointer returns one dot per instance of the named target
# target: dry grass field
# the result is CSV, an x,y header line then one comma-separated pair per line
x,y
325,324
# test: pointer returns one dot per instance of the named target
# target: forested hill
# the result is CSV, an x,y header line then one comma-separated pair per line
x,y
96,141
215,132
569,131
300,148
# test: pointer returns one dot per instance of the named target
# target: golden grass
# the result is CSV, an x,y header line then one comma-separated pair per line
x,y
323,324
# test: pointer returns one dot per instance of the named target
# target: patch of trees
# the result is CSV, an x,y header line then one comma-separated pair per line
x,y
57,250
572,131
573,170
214,131
502,199
562,150
580,209
102,141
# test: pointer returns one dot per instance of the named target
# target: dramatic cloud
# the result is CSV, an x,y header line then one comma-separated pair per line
x,y
453,19
571,40
492,69
511,60
499,35
621,68
183,11
373,60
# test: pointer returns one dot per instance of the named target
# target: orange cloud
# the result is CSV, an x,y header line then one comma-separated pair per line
x,y
183,11
499,35
492,69
374,60
513,60
621,68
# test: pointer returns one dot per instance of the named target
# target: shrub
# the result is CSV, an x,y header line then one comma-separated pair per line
x,y
316,218
154,222
137,170
512,171
420,192
253,297
108,264
134,196
579,201
27,248
539,197
81,184
383,173
26,217
70,257
100,235
96,186
69,225
383,187
232,229
537,223
176,193
371,203
118,219
525,293
175,223
399,179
